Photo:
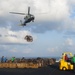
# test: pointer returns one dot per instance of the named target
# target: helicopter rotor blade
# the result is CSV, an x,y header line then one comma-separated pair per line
x,y
18,13
28,10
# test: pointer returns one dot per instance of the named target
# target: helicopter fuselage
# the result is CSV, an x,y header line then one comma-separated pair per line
x,y
29,18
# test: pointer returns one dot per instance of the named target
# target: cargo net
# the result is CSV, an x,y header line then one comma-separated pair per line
x,y
28,38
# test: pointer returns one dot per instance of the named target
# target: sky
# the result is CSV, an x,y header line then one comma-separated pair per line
x,y
53,30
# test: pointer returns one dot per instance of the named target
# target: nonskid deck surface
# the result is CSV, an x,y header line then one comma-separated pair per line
x,y
49,70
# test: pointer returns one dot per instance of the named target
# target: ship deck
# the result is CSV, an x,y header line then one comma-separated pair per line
x,y
49,70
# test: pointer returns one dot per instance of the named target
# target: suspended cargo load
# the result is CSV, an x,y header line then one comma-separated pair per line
x,y
28,38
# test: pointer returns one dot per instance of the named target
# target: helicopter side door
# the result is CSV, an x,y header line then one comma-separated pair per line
x,y
29,19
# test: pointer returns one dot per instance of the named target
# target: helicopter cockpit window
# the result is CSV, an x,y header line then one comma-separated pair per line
x,y
28,38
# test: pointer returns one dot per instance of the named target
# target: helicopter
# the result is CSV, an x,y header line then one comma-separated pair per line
x,y
28,18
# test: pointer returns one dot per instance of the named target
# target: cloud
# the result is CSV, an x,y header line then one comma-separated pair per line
x,y
69,42
13,51
69,33
13,37
53,50
67,45
42,27
57,14
27,51
24,51
0,35
20,53
53,9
